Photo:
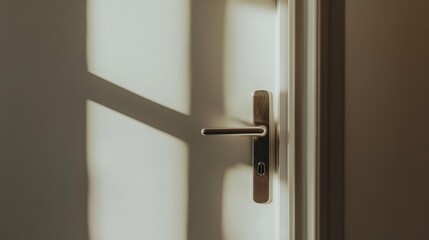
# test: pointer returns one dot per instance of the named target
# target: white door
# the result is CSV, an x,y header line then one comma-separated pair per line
x,y
172,68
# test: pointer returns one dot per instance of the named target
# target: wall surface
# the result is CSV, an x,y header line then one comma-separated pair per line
x,y
387,120
43,172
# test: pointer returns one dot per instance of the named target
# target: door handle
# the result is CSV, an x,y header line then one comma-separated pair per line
x,y
258,131
263,146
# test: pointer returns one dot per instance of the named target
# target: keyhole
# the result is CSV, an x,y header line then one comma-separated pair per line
x,y
261,169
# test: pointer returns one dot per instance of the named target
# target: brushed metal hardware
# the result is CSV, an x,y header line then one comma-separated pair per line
x,y
262,134
259,131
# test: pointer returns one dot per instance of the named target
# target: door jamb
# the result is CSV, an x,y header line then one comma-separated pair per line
x,y
316,125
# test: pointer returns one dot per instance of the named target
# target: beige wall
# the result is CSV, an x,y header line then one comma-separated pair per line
x,y
43,173
387,120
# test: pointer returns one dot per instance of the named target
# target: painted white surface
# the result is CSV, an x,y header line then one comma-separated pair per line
x,y
137,179
243,219
250,53
142,46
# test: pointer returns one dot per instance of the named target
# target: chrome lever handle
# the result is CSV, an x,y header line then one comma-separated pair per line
x,y
263,144
257,131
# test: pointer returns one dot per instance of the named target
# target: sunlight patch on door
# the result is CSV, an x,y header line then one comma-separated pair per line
x,y
142,46
242,218
249,54
138,185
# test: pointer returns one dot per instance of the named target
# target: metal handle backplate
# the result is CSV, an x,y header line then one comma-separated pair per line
x,y
263,143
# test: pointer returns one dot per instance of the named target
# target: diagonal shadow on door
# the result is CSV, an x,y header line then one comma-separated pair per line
x,y
208,158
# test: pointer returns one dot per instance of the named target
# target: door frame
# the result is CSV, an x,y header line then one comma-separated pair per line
x,y
316,126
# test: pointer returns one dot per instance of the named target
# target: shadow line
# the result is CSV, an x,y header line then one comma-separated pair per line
x,y
139,108
208,160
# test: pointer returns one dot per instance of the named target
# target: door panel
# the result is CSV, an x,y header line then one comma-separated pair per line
x,y
142,46
137,190
249,64
175,67
250,60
